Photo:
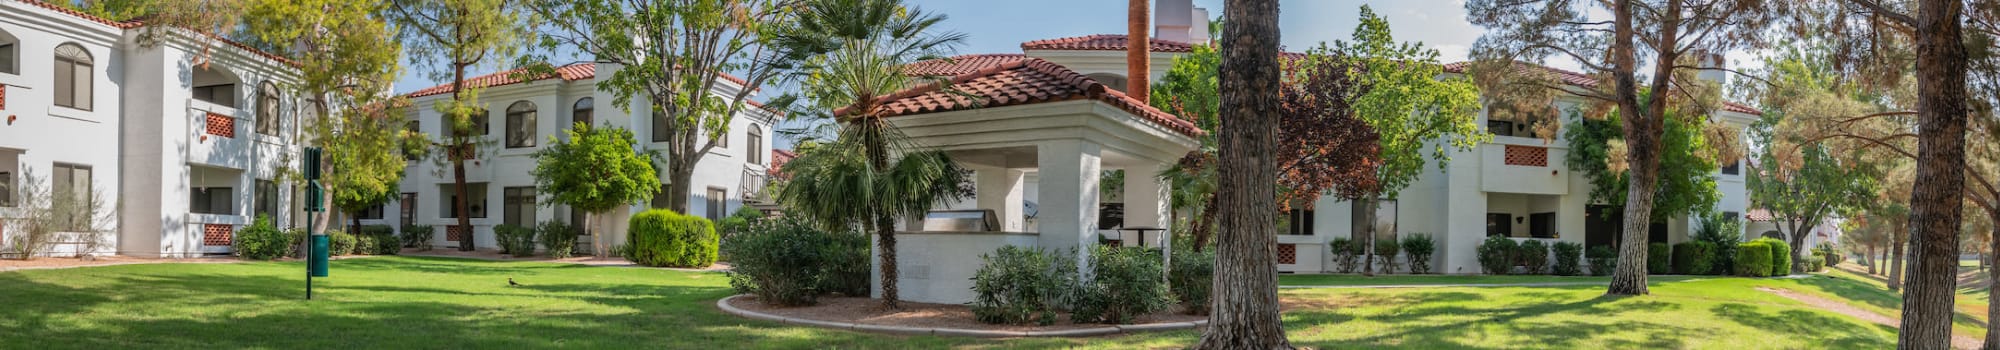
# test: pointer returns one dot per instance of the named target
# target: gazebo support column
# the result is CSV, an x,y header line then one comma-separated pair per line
x,y
1067,211
1146,201
1000,189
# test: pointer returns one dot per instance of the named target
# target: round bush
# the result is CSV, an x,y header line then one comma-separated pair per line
x,y
1568,255
1659,259
663,238
1753,259
1496,255
383,240
1386,250
515,240
1602,260
1419,247
559,238
1534,255
1781,256
363,245
1346,253
262,241
340,243
1125,284
418,236
1693,258
789,262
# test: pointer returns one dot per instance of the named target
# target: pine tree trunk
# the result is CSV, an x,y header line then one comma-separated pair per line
x,y
1938,196
1642,136
1245,299
1896,267
1992,276
1868,256
464,213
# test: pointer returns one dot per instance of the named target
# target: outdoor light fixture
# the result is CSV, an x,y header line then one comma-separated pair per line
x,y
10,119
1519,219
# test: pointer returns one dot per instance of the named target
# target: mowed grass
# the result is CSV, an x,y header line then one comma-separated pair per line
x,y
405,302
1872,293
1354,280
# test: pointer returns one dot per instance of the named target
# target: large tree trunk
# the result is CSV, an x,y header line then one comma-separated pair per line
x,y
1245,301
1643,127
1367,235
464,213
1798,240
1868,257
1992,276
885,232
1938,196
679,186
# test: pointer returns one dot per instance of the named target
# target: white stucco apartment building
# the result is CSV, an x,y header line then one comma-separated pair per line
x,y
523,115
183,146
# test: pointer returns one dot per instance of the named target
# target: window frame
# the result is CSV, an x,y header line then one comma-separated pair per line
x,y
266,200
584,111
753,145
521,119
517,203
270,118
717,206
203,200
10,56
81,71
1298,222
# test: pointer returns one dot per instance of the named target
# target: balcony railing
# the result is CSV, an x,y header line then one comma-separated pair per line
x,y
752,187
1527,156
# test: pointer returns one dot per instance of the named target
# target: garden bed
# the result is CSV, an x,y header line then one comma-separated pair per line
x,y
867,314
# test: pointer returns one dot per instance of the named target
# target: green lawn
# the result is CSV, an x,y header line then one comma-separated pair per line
x,y
402,302
1352,280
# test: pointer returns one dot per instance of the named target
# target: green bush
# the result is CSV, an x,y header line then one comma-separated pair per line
x,y
1021,286
1386,250
1781,256
1817,263
515,240
1419,247
340,243
1831,253
1693,257
363,245
1346,255
1125,284
1722,234
738,222
847,273
1568,257
1659,259
786,262
558,237
299,240
1602,260
262,241
1753,259
382,240
1191,277
418,236
1534,255
663,238
1496,255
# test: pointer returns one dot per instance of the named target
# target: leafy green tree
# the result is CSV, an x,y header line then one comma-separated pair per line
x,y
446,38
871,174
1687,175
1417,117
596,170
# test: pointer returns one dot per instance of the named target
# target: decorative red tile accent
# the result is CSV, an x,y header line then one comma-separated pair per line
x,y
1288,253
1527,155
221,125
453,233
1021,82
216,234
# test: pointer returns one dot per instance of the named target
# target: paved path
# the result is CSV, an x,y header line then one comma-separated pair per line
x,y
1957,341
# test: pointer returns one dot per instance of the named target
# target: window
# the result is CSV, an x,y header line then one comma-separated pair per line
x,y
477,128
660,198
267,198
476,202
718,200
1730,216
1542,225
518,206
1500,127
1385,219
267,110
73,181
723,142
73,76
521,125
408,212
371,213
582,114
1733,168
1499,224
6,189
1298,221
659,125
212,200
7,54
220,94
753,150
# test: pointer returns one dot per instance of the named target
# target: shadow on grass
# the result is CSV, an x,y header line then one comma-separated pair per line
x,y
1803,324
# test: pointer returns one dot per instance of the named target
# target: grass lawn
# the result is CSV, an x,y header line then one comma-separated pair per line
x,y
1354,280
404,302
1872,293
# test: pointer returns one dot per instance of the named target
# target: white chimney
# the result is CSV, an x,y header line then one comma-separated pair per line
x,y
1198,34
1173,19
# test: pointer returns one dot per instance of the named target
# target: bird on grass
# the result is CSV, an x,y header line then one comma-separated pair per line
x,y
510,282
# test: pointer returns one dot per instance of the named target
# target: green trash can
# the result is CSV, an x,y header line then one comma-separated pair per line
x,y
317,258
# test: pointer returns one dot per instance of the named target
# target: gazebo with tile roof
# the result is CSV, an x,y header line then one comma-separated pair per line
x,y
1025,115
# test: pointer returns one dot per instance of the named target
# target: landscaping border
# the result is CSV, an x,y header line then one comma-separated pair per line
x,y
956,332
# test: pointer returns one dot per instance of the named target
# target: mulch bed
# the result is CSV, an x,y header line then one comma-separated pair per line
x,y
870,312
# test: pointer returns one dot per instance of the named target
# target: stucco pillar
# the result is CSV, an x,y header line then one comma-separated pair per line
x,y
1145,202
1001,190
1067,213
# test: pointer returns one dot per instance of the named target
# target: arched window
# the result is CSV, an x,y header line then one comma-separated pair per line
x,y
753,150
582,113
73,76
521,125
267,110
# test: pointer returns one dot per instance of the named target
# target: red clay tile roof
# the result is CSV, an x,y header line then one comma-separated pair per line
x,y
130,24
1021,82
1582,80
1102,42
1741,108
778,159
571,72
1758,215
961,64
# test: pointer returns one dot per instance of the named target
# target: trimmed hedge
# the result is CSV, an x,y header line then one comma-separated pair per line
x,y
1693,258
1021,286
558,237
340,243
515,240
1419,247
382,239
262,241
1496,255
789,262
1753,259
1568,255
1346,256
1781,256
1602,260
1124,284
1534,255
663,238
418,236
1659,259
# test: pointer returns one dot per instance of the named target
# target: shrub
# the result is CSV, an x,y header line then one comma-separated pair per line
x,y
515,240
1021,286
418,236
738,222
847,272
1817,263
1831,253
558,237
1419,248
382,239
1722,234
1191,277
785,262
1496,255
1753,259
1568,256
1345,255
663,238
1602,260
1693,257
262,241
1781,256
340,243
1387,250
1125,283
1659,259
1534,255
299,239
363,245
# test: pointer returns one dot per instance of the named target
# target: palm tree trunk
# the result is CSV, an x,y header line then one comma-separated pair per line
x,y
1204,225
1245,302
885,231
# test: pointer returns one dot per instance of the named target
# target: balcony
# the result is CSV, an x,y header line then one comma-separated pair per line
x,y
217,135
752,188
1512,164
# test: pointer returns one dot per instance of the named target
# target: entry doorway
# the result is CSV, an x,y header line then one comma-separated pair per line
x,y
1603,225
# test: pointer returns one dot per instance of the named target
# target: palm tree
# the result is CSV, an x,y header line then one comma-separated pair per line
x,y
871,173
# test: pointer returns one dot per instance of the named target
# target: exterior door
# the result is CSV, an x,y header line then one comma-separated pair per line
x,y
407,215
